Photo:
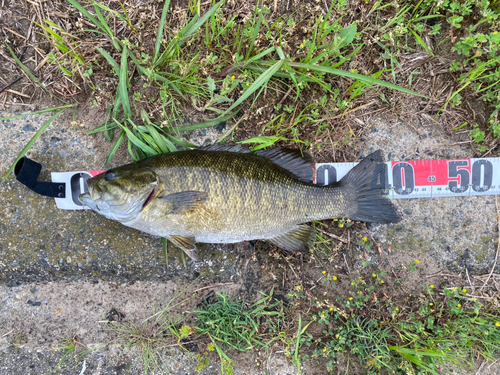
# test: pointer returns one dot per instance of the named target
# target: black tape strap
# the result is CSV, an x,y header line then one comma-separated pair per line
x,y
27,172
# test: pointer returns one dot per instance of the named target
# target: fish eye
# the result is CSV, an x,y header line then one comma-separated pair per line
x,y
109,176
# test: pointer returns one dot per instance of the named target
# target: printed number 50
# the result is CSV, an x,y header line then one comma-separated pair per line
x,y
482,175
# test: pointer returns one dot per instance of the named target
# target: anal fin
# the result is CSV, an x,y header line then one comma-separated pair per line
x,y
187,244
297,239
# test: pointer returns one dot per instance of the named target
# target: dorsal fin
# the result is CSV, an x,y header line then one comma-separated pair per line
x,y
297,162
230,148
301,164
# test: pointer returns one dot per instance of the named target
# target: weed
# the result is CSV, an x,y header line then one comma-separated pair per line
x,y
35,137
68,346
229,324
473,26
151,338
174,66
431,333
67,47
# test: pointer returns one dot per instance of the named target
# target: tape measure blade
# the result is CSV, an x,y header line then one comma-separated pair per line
x,y
330,173
429,178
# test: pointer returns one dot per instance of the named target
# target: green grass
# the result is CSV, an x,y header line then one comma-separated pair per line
x,y
150,340
369,330
218,66
254,62
429,332
465,30
230,325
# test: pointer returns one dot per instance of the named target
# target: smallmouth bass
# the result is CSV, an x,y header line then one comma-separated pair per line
x,y
226,194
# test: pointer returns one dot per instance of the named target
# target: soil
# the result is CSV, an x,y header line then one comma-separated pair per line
x,y
64,274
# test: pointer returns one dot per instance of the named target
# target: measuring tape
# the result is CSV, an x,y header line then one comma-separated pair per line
x,y
402,179
427,178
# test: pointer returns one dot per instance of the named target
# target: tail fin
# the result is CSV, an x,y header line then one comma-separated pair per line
x,y
361,189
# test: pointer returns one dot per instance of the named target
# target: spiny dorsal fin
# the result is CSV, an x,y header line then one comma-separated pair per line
x,y
187,244
297,239
230,148
184,201
299,163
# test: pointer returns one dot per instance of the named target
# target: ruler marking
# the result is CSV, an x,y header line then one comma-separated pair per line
x,y
431,178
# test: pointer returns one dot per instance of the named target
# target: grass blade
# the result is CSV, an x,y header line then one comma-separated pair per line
x,y
136,141
164,242
180,142
86,13
115,147
280,53
110,130
131,151
255,33
26,70
104,7
122,85
157,138
103,26
294,79
260,55
347,58
103,22
107,126
159,34
205,124
56,36
260,69
110,60
37,112
153,76
30,143
421,42
259,82
184,31
359,77
193,28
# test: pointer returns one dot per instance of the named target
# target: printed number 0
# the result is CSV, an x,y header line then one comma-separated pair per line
x,y
482,168
454,172
326,175
403,172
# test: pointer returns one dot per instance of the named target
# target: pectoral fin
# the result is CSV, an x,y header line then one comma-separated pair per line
x,y
187,244
297,239
184,201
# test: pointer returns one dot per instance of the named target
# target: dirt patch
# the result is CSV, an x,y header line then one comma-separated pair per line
x,y
47,317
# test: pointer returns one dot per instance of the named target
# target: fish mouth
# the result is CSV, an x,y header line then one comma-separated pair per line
x,y
84,198
149,198
87,201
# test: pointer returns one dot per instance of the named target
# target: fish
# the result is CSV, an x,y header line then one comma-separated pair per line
x,y
228,194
